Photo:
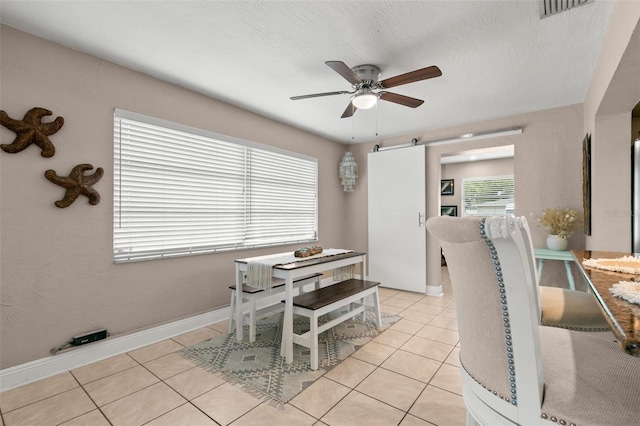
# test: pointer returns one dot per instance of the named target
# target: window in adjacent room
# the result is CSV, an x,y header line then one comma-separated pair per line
x,y
488,196
182,191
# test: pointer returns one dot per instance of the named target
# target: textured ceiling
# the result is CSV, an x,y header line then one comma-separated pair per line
x,y
498,58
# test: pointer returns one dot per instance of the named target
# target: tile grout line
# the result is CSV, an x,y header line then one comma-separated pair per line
x,y
395,350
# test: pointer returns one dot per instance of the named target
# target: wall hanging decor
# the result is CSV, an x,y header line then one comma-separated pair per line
x,y
30,130
448,210
348,172
77,184
586,183
446,187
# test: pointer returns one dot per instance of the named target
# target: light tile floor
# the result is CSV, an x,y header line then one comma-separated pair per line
x,y
408,376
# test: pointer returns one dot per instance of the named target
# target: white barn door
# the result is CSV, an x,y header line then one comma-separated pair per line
x,y
397,208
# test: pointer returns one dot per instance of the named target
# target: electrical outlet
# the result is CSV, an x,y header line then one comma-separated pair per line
x,y
89,337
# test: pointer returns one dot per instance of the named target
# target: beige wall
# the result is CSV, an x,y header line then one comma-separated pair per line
x,y
57,275
613,92
547,169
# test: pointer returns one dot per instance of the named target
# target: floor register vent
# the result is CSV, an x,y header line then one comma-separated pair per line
x,y
553,7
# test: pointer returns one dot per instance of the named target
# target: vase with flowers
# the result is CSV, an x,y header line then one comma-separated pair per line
x,y
560,224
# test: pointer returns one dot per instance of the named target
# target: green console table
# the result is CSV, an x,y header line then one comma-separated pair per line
x,y
543,254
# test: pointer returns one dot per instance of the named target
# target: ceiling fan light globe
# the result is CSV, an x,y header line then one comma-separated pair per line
x,y
364,100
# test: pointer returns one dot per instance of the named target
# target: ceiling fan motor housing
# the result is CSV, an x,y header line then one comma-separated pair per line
x,y
368,73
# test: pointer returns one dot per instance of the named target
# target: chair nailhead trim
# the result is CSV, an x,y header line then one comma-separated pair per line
x,y
576,328
555,419
507,329
505,312
484,385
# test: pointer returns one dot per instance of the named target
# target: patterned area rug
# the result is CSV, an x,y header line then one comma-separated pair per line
x,y
260,369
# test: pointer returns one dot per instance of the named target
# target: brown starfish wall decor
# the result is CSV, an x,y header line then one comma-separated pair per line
x,y
30,130
77,183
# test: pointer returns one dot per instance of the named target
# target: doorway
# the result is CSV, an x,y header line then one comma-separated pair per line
x,y
485,170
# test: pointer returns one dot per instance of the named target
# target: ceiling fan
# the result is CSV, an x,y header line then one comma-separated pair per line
x,y
364,80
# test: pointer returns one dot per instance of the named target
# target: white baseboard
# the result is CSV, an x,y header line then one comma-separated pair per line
x,y
39,369
434,290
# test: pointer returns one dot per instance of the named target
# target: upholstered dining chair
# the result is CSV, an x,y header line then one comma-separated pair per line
x,y
570,309
516,371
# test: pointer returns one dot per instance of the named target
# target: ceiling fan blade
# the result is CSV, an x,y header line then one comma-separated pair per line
x,y
317,95
410,77
351,109
401,99
344,70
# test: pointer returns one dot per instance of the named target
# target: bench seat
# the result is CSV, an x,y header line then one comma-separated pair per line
x,y
252,295
349,293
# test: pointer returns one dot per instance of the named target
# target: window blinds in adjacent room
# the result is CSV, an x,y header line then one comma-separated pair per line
x,y
488,196
182,191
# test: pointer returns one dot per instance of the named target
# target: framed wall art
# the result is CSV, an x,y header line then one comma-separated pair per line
x,y
586,183
449,211
446,187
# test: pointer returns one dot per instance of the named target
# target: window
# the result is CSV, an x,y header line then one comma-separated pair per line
x,y
182,191
488,196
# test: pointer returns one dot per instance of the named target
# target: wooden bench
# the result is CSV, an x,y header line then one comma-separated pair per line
x,y
252,295
349,293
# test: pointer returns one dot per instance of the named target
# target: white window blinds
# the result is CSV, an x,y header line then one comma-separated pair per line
x,y
488,196
181,191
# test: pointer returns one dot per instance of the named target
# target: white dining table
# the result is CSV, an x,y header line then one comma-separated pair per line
x,y
289,272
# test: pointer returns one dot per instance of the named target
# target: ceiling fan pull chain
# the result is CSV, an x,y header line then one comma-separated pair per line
x,y
353,129
376,119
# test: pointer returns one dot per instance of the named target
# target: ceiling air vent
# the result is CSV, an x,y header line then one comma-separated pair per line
x,y
553,7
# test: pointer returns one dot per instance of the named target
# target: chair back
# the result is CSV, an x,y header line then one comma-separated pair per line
x,y
493,276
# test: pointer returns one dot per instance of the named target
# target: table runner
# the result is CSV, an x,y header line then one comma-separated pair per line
x,y
625,264
627,290
259,269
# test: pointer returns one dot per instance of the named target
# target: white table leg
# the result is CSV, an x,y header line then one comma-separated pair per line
x,y
232,313
239,314
376,307
313,331
286,348
364,275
